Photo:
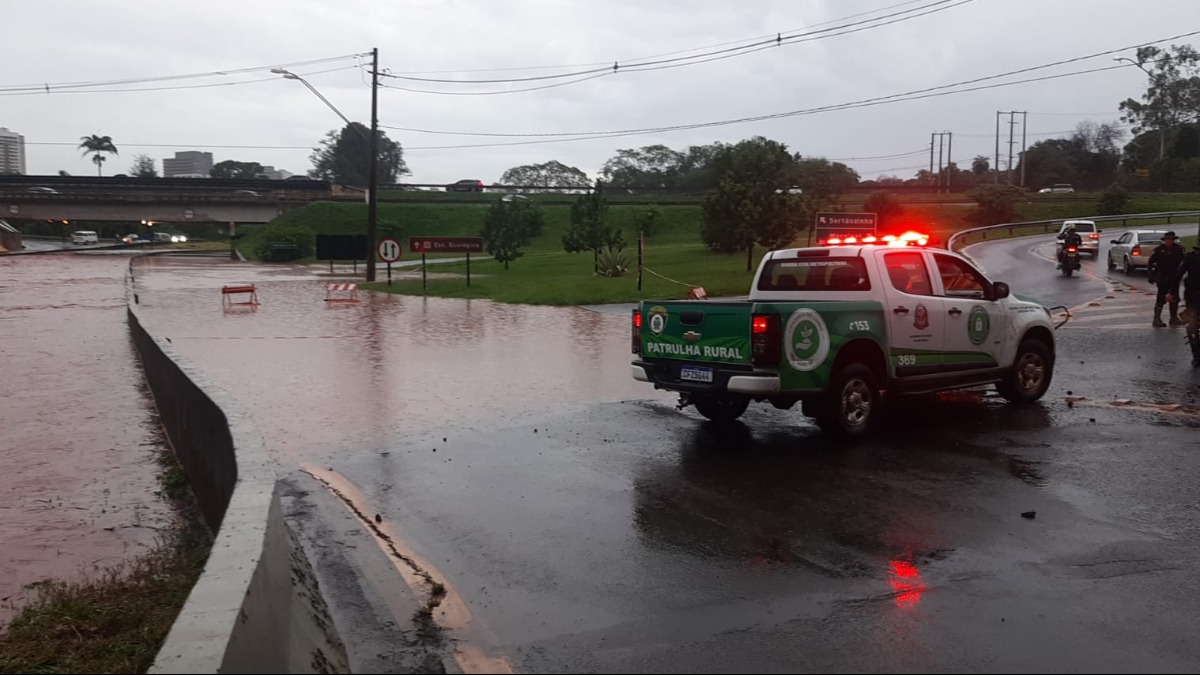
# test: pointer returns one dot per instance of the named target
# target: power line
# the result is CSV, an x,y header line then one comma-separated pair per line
x,y
183,145
916,94
47,87
778,40
655,56
606,73
169,88
866,103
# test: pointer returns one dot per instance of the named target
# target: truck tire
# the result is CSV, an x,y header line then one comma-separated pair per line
x,y
852,403
1029,377
721,409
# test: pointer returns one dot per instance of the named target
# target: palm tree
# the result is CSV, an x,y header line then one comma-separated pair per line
x,y
980,165
98,145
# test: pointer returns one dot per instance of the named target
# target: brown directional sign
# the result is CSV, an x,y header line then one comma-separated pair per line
x,y
445,244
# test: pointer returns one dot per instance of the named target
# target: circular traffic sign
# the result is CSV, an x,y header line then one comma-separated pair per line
x,y
389,249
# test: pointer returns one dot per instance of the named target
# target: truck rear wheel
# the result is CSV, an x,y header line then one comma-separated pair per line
x,y
1030,374
852,403
722,408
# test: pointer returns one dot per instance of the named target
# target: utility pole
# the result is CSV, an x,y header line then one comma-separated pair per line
x,y
372,176
1011,124
996,162
944,142
1024,123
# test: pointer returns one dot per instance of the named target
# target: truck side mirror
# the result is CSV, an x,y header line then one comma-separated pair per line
x,y
999,290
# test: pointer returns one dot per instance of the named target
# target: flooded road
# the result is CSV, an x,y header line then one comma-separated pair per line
x,y
327,379
580,523
78,436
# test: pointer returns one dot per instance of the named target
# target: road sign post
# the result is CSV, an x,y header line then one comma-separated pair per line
x,y
389,251
467,245
843,225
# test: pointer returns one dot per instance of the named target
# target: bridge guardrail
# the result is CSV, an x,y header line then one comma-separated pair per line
x,y
960,239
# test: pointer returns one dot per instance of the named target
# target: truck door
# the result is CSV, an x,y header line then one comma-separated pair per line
x,y
975,326
916,317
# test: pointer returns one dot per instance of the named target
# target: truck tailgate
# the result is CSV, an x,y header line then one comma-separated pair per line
x,y
704,331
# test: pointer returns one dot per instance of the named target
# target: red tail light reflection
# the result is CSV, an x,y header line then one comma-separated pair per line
x,y
905,581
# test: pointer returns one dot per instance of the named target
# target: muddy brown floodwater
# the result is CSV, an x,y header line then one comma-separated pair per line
x,y
78,433
324,380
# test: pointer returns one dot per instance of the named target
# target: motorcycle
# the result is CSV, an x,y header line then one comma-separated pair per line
x,y
1070,260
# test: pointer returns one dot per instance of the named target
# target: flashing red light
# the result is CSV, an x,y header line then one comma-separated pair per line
x,y
637,319
870,239
851,240
909,238
760,324
833,241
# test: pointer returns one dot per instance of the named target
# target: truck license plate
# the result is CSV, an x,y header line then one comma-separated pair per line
x,y
695,374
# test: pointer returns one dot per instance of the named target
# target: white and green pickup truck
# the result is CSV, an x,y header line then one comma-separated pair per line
x,y
840,329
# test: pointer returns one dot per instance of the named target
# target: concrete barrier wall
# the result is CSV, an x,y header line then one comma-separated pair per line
x,y
256,608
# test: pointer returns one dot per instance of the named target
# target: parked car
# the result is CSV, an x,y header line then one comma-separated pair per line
x,y
246,193
513,198
465,185
1132,249
82,237
43,190
1088,231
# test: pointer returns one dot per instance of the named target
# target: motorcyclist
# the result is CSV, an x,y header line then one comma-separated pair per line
x,y
1163,272
1070,238
1189,273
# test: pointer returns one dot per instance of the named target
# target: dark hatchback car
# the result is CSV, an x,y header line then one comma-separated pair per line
x,y
465,185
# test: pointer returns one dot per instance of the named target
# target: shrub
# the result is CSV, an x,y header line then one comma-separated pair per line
x,y
613,262
1114,200
301,236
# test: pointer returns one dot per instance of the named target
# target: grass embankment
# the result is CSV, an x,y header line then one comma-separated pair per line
x,y
116,621
547,275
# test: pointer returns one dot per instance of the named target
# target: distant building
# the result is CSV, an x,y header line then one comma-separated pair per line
x,y
12,152
272,173
188,164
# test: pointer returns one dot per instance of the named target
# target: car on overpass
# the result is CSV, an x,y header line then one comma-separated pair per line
x,y
466,185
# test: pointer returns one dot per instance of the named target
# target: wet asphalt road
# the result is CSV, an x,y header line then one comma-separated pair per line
x,y
586,525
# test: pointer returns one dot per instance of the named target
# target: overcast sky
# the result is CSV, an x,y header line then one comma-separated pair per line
x,y
61,42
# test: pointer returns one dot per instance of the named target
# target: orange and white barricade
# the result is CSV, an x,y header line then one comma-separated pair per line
x,y
228,293
341,292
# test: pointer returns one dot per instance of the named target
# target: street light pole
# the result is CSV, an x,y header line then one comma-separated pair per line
x,y
372,175
372,150
1162,132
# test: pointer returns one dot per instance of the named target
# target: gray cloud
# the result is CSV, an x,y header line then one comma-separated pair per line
x,y
117,40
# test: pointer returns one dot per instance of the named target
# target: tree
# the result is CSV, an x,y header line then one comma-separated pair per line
x,y
546,175
97,146
235,169
1113,200
750,203
143,167
344,157
884,205
996,203
590,230
1172,97
980,165
823,181
1187,142
508,226
653,166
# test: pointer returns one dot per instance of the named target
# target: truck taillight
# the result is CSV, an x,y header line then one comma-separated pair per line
x,y
636,344
765,340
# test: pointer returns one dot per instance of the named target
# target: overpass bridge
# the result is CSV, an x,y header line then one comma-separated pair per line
x,y
165,200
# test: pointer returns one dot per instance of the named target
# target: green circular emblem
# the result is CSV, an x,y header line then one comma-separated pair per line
x,y
806,340
978,325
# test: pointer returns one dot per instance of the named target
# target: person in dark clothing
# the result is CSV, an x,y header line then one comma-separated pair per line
x,y
1189,273
1070,238
1163,271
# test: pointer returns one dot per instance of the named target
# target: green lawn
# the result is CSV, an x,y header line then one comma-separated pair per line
x,y
547,275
